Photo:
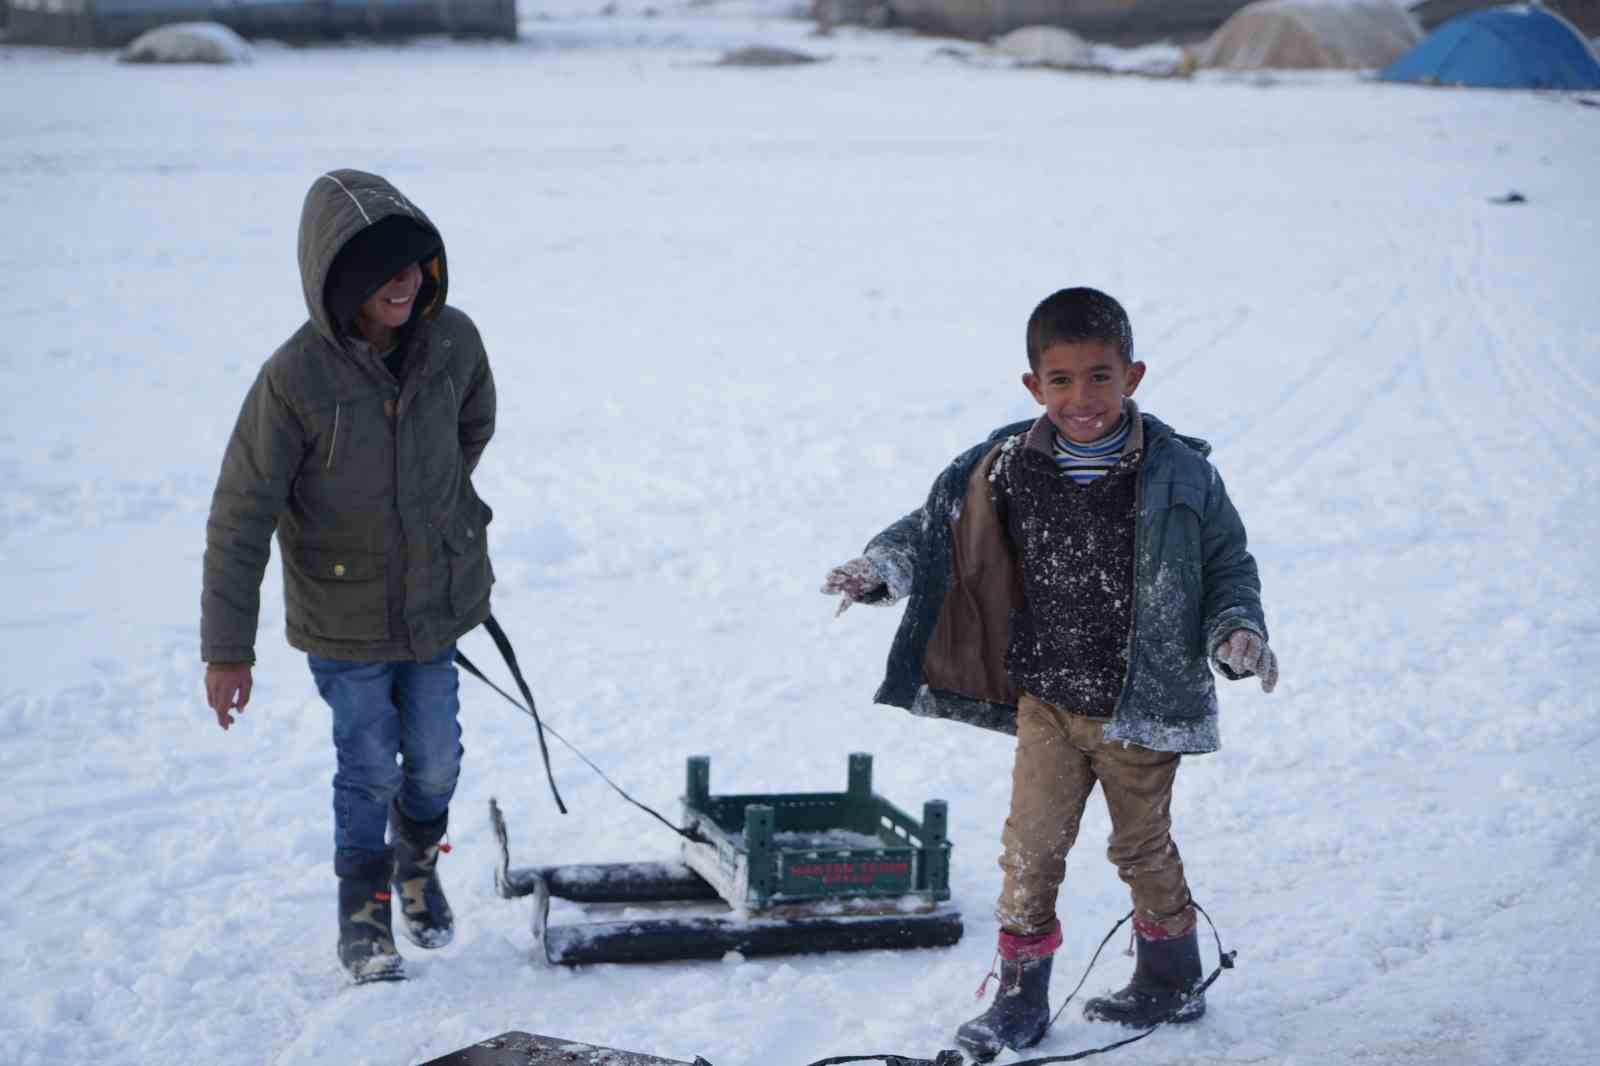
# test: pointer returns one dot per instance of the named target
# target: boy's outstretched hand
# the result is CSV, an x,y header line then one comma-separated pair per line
x,y
1246,653
227,689
857,581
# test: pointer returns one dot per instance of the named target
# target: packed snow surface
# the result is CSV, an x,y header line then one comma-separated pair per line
x,y
739,320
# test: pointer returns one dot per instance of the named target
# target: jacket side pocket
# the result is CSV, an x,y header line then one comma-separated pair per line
x,y
471,576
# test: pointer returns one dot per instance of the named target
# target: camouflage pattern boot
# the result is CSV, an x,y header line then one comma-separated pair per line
x,y
366,941
425,914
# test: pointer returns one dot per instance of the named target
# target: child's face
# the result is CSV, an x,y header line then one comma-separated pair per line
x,y
390,306
1081,386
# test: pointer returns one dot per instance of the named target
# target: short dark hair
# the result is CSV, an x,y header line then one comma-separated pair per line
x,y
1080,314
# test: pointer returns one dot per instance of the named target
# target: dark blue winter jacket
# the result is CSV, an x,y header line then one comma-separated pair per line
x,y
1194,580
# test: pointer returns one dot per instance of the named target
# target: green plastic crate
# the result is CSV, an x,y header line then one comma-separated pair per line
x,y
767,850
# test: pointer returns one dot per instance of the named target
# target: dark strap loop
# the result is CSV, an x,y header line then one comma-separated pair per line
x,y
504,645
510,656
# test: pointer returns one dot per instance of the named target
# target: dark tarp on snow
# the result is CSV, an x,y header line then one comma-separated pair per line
x,y
1521,46
113,23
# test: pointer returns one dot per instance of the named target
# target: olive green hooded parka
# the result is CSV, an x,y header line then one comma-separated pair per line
x,y
366,479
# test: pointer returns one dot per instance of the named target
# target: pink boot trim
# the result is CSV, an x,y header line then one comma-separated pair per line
x,y
1014,948
1150,930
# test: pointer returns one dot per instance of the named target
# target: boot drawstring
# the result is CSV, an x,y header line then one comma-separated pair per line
x,y
1132,932
985,986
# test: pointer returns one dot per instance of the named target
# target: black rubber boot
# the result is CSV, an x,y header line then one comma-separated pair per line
x,y
1162,989
425,914
366,941
1019,1014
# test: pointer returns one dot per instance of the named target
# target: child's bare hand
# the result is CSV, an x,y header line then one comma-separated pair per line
x,y
227,690
857,581
1246,653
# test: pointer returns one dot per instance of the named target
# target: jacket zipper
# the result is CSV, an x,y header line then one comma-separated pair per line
x,y
1138,554
334,442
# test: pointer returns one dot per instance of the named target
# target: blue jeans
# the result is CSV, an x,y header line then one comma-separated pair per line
x,y
398,741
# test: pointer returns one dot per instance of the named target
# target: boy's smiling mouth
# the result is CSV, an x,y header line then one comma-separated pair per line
x,y
1085,423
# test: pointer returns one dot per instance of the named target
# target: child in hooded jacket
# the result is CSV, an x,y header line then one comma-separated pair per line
x,y
356,445
1073,580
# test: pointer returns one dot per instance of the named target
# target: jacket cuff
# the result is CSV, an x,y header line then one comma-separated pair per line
x,y
228,654
894,571
1219,634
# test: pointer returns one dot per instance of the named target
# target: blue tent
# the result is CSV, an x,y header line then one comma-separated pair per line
x,y
1518,47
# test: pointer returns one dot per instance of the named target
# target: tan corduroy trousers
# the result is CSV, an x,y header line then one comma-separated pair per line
x,y
1059,758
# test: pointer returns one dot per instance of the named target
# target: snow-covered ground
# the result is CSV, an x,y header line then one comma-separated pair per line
x,y
739,319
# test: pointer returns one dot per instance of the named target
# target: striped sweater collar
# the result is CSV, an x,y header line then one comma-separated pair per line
x,y
1107,450
1041,437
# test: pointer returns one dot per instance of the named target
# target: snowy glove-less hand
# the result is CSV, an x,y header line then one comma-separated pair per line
x,y
857,581
1245,653
227,690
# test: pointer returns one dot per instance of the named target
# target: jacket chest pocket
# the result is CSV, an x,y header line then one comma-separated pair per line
x,y
357,443
1185,508
430,432
466,549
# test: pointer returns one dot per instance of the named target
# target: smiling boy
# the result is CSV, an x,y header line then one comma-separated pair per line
x,y
1073,581
357,444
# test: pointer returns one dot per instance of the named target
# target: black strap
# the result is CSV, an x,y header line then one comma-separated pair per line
x,y
504,644
510,656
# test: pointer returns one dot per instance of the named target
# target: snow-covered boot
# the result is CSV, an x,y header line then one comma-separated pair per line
x,y
424,912
1163,988
366,942
1020,1012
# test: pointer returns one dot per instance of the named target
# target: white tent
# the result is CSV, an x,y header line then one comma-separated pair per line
x,y
1048,46
1308,34
188,42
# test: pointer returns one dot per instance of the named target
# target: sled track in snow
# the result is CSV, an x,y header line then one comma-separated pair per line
x,y
1311,417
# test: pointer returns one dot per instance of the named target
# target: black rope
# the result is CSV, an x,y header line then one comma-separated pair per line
x,y
947,1057
1081,981
943,1058
504,645
955,1058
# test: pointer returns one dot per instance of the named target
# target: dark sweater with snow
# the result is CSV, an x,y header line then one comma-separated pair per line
x,y
1074,545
